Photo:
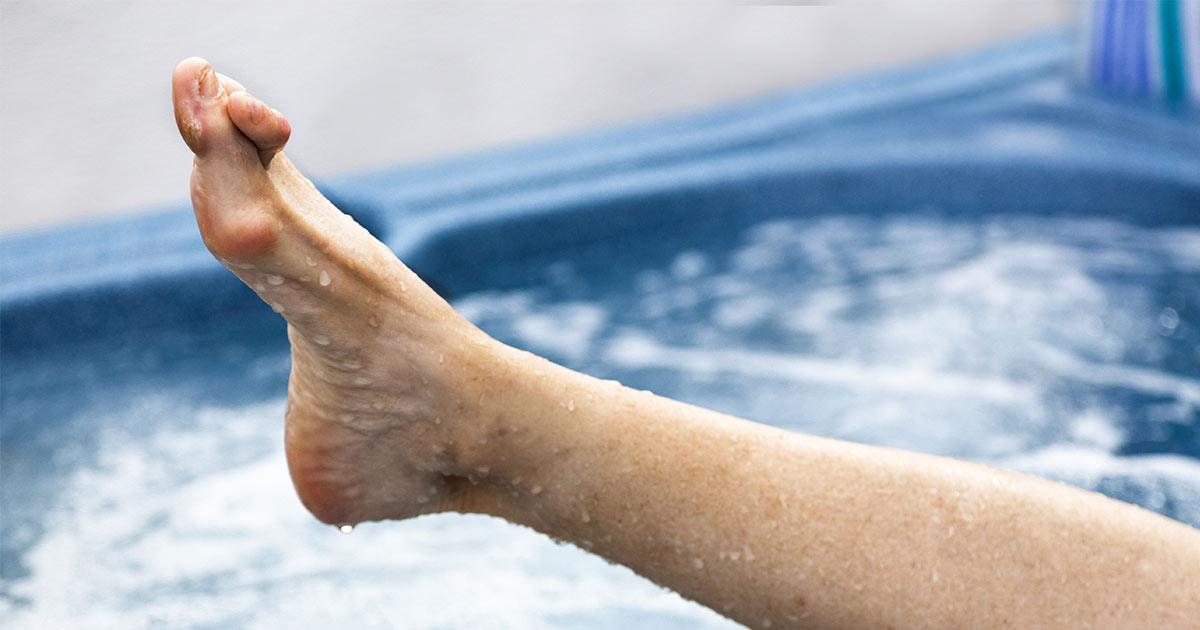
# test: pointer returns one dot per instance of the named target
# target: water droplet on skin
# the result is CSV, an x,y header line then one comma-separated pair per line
x,y
698,563
422,499
277,307
571,405
935,576
585,517
310,261
749,555
320,340
535,490
437,420
260,287
483,470
274,280
362,381
324,278
441,358
345,528
346,417
403,287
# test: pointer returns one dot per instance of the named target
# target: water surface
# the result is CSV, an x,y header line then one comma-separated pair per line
x,y
1065,348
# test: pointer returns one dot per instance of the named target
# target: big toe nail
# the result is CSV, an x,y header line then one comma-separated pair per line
x,y
199,106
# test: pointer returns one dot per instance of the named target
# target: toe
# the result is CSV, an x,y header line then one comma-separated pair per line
x,y
230,190
199,105
230,84
264,126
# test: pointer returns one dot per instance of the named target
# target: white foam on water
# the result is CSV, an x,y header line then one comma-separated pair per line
x,y
734,314
1157,479
141,540
565,329
1092,428
688,265
1035,344
632,350
989,339
1185,390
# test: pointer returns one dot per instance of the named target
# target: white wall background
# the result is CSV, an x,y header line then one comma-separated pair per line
x,y
85,119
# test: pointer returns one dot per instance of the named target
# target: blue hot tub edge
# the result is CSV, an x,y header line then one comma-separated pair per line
x,y
1006,121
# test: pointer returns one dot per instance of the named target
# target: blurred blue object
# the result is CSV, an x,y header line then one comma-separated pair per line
x,y
1145,47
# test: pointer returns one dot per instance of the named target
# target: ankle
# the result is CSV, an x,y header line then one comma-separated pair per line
x,y
532,415
492,413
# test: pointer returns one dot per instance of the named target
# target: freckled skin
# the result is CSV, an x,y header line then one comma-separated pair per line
x,y
397,407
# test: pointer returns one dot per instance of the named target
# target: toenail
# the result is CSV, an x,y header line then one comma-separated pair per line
x,y
208,83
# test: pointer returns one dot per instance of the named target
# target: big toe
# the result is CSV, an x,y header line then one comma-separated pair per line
x,y
200,105
229,185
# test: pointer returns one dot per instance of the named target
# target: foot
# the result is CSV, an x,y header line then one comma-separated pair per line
x,y
382,399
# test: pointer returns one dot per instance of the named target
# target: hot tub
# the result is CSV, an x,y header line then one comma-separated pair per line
x,y
972,259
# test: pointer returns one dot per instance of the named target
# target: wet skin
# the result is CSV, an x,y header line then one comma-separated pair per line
x,y
397,406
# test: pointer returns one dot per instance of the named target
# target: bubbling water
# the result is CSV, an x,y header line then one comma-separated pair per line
x,y
1066,348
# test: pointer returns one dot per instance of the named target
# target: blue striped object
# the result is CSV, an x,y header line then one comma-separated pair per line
x,y
1144,47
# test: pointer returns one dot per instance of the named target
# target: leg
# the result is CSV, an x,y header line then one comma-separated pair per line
x,y
775,528
399,407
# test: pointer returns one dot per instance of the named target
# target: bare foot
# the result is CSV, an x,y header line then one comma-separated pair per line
x,y
380,364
